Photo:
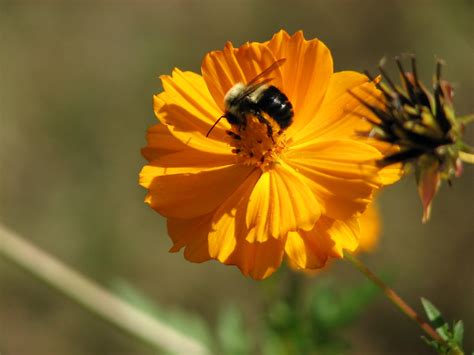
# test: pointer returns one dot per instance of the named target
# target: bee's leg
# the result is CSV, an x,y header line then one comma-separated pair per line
x,y
233,135
263,120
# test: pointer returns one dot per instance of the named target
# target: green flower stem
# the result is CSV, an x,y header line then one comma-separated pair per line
x,y
94,298
394,297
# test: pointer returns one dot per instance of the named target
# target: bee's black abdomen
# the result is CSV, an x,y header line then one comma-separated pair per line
x,y
275,103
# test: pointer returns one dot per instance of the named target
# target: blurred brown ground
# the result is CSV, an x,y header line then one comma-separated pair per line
x,y
76,81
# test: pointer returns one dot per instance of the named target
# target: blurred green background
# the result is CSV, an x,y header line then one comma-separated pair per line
x,y
76,85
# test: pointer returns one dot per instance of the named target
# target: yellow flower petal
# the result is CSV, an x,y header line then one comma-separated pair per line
x,y
221,236
192,158
257,260
187,107
192,235
306,74
369,229
223,69
228,221
166,150
187,192
341,173
391,174
328,238
307,251
160,141
340,113
341,116
280,202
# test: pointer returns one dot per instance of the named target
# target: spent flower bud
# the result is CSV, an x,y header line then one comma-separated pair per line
x,y
423,125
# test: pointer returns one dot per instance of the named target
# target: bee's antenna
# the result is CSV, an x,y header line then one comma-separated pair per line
x,y
215,123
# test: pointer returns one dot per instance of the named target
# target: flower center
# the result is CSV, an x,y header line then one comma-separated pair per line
x,y
257,143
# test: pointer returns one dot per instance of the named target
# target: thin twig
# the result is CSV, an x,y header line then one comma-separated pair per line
x,y
95,298
394,297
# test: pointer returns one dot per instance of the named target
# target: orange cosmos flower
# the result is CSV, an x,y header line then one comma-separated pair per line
x,y
247,198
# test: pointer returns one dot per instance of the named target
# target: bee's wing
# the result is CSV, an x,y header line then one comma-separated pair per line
x,y
260,80
265,72
251,88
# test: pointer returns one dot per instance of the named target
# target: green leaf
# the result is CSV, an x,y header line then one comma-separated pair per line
x,y
458,332
453,338
273,345
431,311
325,309
436,319
331,309
432,343
231,332
354,301
188,323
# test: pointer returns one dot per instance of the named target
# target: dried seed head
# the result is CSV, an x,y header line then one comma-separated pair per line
x,y
423,125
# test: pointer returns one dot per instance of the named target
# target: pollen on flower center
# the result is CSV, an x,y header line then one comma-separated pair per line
x,y
255,144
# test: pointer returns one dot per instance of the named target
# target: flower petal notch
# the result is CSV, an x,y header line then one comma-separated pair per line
x,y
258,157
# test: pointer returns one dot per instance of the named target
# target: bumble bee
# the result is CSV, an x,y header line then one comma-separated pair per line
x,y
256,98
